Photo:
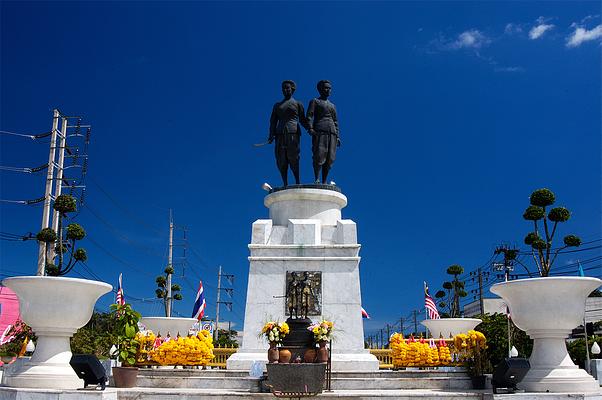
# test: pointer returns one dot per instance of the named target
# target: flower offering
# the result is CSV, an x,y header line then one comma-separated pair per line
x,y
274,332
184,350
322,331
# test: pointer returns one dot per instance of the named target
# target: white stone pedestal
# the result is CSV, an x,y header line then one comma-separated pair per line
x,y
305,232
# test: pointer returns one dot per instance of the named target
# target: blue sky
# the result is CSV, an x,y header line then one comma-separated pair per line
x,y
451,113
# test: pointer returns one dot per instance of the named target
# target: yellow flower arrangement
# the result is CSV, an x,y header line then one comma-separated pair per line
x,y
185,350
146,342
322,331
470,348
275,331
421,353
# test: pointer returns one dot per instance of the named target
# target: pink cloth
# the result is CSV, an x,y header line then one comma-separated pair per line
x,y
9,308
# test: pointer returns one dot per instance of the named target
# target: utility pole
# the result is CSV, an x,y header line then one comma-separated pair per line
x,y
48,193
481,304
229,292
415,312
381,339
58,185
388,332
401,325
170,265
219,289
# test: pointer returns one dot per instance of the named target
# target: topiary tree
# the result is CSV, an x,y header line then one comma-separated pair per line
x,y
163,293
63,241
449,298
541,246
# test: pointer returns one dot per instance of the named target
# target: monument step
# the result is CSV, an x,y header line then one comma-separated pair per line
x,y
208,394
240,380
401,383
415,373
196,378
7,393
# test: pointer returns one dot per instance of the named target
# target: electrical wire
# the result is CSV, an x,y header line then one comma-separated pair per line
x,y
124,209
119,260
117,233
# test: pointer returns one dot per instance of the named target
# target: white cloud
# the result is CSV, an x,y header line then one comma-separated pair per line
x,y
581,35
472,39
509,69
512,28
538,31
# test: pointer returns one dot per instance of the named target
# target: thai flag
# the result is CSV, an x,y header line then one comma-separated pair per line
x,y
199,304
120,297
365,314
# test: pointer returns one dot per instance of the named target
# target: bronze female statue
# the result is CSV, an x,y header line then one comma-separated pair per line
x,y
324,129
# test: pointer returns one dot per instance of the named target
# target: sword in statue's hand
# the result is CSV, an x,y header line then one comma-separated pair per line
x,y
270,140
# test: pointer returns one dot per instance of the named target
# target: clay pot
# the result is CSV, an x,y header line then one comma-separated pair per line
x,y
285,356
310,355
322,352
273,353
125,377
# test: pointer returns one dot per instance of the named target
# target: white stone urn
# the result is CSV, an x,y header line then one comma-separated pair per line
x,y
547,309
171,325
55,308
450,327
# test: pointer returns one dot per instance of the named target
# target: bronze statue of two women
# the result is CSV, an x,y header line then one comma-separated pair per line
x,y
320,122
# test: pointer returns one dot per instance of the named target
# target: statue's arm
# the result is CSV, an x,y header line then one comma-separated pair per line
x,y
311,109
273,123
302,117
336,124
335,119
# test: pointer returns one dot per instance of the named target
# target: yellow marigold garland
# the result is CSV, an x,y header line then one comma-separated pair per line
x,y
432,353
186,350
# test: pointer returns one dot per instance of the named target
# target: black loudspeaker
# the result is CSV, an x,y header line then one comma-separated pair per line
x,y
508,373
88,368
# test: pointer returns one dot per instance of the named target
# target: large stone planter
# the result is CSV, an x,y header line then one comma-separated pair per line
x,y
547,309
300,379
450,327
55,308
171,325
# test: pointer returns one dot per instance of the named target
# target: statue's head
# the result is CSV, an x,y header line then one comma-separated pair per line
x,y
324,88
288,88
306,275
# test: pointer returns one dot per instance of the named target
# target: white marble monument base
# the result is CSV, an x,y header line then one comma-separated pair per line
x,y
347,362
305,232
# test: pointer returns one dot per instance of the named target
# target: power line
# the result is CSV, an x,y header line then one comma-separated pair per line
x,y
32,137
119,260
124,209
116,232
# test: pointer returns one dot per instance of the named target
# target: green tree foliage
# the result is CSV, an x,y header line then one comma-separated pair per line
x,y
226,338
162,293
541,243
576,349
96,337
66,238
495,329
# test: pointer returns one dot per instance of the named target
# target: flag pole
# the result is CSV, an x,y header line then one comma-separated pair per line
x,y
426,314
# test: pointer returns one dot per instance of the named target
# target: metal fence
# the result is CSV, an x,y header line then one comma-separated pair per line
x,y
223,353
